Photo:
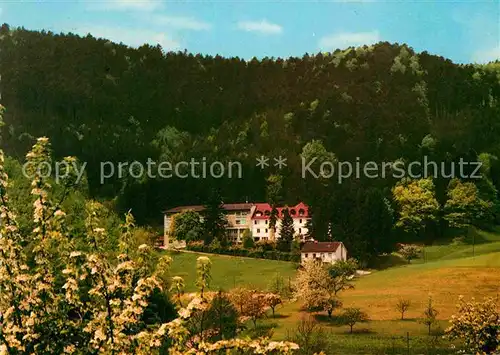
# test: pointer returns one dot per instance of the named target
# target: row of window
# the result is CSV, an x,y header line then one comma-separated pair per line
x,y
293,212
266,230
267,221
314,255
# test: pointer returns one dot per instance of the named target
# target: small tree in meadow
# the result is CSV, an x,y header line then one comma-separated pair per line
x,y
353,316
330,303
240,298
256,306
222,316
273,300
318,286
402,307
409,252
430,315
203,276
177,287
310,336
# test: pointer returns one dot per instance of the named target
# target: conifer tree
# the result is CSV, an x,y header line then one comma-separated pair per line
x,y
214,221
286,232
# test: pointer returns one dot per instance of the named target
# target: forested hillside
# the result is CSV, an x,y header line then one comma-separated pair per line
x,y
102,101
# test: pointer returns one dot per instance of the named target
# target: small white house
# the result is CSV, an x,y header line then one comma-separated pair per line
x,y
328,252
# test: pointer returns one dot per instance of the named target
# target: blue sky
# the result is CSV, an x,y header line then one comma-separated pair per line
x,y
463,31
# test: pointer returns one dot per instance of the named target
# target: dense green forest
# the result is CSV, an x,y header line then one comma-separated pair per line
x,y
102,101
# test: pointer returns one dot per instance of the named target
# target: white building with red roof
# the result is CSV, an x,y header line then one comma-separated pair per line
x,y
327,252
261,216
252,216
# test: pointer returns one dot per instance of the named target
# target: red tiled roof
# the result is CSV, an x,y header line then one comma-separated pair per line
x,y
199,208
237,206
320,247
196,208
265,210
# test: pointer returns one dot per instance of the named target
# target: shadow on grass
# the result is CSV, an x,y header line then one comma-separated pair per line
x,y
387,261
324,319
262,330
360,331
278,316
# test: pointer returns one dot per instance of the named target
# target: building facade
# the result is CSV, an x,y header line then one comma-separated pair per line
x,y
252,216
327,252
261,217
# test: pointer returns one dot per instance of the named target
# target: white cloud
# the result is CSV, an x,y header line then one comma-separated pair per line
x,y
262,26
480,35
486,55
131,37
179,22
346,39
126,5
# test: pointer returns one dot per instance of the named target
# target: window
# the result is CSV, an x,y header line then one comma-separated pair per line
x,y
258,230
255,222
266,230
314,255
300,230
306,255
300,221
237,221
267,221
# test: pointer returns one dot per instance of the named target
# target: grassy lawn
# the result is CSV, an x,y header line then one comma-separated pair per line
x,y
478,242
448,271
377,294
229,271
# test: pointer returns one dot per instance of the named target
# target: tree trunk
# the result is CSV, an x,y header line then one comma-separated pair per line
x,y
330,313
402,315
351,328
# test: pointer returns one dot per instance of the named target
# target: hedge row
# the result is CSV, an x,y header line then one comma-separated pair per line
x,y
251,253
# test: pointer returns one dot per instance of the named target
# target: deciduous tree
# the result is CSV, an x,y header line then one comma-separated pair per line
x,y
409,252
430,315
352,316
186,226
273,300
402,306
416,203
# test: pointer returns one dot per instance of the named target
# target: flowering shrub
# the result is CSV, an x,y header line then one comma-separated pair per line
x,y
182,344
477,324
55,298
